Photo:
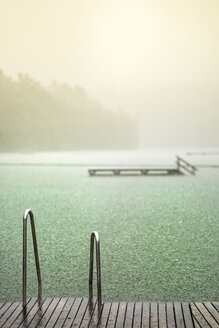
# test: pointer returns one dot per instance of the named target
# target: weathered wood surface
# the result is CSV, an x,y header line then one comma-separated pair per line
x,y
77,312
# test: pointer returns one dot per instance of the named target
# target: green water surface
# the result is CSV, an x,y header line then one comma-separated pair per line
x,y
159,235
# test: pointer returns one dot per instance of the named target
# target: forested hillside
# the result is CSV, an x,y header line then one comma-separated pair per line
x,y
35,118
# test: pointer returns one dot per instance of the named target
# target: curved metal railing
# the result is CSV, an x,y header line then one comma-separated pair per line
x,y
29,213
181,163
95,235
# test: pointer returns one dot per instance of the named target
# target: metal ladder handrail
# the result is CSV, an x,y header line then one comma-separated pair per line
x,y
95,235
29,213
188,167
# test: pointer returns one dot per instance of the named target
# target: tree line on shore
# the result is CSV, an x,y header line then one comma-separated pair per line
x,y
60,117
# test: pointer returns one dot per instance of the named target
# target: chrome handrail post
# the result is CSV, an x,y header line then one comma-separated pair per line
x,y
24,286
29,213
99,292
91,267
94,235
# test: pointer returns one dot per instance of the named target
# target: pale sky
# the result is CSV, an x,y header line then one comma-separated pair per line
x,y
118,50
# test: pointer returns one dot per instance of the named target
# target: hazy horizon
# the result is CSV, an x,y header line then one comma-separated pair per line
x,y
155,60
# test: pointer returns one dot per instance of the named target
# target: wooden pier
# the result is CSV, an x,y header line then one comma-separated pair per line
x,y
77,312
178,169
134,171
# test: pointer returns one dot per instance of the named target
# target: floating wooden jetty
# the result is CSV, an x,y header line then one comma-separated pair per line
x,y
133,171
181,166
79,312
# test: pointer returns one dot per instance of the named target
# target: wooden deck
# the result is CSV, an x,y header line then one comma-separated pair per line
x,y
134,171
76,312
179,168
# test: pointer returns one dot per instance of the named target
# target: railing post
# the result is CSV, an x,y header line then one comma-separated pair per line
x,y
94,235
27,213
178,163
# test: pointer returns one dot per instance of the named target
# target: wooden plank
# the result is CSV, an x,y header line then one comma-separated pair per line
x,y
216,305
208,317
80,313
47,315
162,315
178,315
72,314
129,314
8,312
18,315
91,307
9,321
1,305
104,315
56,313
196,324
4,308
154,315
30,313
137,315
170,315
64,313
212,310
39,314
112,315
121,314
187,315
199,317
94,317
146,315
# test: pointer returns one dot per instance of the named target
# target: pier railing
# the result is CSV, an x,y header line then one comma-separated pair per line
x,y
94,235
29,213
183,164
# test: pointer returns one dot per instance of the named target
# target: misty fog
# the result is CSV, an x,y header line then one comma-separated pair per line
x,y
109,74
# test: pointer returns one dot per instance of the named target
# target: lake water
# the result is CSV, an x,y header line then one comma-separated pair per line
x,y
159,235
